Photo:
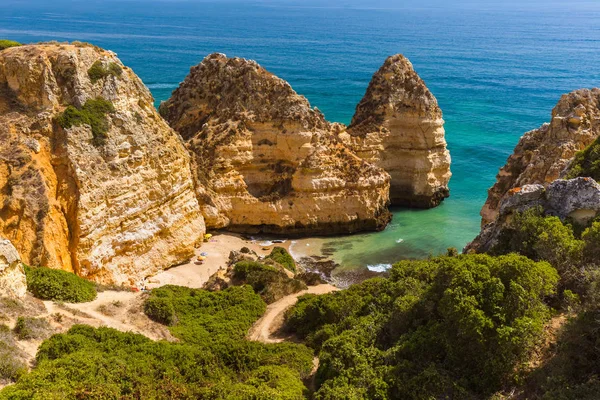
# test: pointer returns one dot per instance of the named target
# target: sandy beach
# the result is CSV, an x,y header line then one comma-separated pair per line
x,y
194,274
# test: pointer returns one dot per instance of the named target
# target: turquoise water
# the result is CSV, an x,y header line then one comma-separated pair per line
x,y
497,71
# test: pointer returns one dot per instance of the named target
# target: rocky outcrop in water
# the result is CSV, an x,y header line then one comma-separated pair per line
x,y
265,161
576,200
543,155
92,180
12,275
398,126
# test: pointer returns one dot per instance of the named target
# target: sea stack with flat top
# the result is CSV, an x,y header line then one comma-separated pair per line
x,y
398,127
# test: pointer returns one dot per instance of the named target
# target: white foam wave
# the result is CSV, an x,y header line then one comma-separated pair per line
x,y
379,267
161,85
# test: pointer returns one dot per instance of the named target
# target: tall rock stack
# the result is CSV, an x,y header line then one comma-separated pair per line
x,y
542,155
92,180
398,126
265,161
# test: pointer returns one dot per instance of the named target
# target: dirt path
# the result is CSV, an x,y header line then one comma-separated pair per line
x,y
263,330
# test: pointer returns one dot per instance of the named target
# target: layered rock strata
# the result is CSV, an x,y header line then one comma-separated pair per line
x,y
575,200
12,275
265,161
92,180
398,126
542,155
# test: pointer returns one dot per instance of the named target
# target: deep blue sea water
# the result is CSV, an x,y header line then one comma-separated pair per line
x,y
497,70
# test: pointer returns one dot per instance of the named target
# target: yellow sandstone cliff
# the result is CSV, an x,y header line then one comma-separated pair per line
x,y
398,126
265,161
92,180
542,155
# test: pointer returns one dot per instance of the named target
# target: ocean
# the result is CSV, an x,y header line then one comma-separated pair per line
x,y
497,71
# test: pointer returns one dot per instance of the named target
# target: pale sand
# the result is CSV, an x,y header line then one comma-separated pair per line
x,y
272,320
194,274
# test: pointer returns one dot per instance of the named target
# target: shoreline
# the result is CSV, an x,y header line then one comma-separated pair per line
x,y
216,251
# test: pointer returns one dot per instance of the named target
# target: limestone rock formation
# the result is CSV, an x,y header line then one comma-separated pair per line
x,y
12,275
574,200
542,155
92,180
265,161
398,126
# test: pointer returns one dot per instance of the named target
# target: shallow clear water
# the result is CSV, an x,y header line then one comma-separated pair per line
x,y
496,70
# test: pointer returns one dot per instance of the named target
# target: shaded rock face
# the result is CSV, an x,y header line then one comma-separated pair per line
x,y
265,161
575,199
12,275
112,210
398,126
543,155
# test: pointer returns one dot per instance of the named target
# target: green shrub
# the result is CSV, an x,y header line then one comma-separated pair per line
x,y
93,113
211,361
160,309
586,163
5,44
269,282
98,71
28,328
448,327
54,284
199,316
282,257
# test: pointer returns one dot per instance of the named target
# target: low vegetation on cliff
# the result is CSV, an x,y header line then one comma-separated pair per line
x,y
5,44
586,162
93,113
98,71
448,327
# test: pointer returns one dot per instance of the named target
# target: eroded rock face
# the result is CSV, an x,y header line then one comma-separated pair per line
x,y
398,126
574,199
265,161
12,275
542,155
115,203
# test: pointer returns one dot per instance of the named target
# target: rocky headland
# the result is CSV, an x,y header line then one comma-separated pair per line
x,y
92,179
265,161
544,154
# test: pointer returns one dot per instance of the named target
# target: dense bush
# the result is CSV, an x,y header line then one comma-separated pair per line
x,y
89,363
586,162
53,284
449,327
199,316
212,360
98,71
541,237
283,258
5,44
93,113
269,282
